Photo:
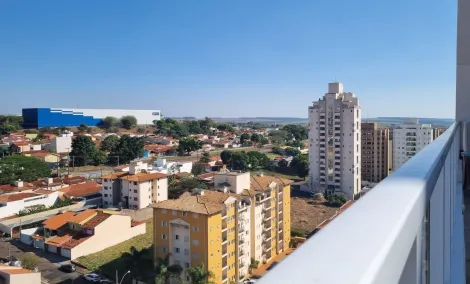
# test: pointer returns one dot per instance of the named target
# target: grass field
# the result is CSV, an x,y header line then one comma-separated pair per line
x,y
107,260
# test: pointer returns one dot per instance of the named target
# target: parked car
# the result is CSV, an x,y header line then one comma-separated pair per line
x,y
93,277
67,268
107,281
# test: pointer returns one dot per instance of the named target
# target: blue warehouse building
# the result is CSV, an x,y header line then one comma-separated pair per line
x,y
58,117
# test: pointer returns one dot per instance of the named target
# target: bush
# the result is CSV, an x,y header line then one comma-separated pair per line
x,y
296,233
336,200
29,260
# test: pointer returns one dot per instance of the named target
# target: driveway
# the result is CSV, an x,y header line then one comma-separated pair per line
x,y
48,263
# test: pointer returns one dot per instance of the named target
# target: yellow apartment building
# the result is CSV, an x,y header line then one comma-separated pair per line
x,y
243,218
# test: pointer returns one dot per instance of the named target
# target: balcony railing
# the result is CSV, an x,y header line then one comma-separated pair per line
x,y
408,229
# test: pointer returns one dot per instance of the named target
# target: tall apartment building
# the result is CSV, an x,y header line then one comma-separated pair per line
x,y
136,189
436,132
245,217
376,151
408,139
335,142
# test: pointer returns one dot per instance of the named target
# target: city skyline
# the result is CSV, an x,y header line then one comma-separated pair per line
x,y
226,60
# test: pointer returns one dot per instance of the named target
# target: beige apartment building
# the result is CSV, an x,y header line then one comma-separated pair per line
x,y
245,217
136,189
376,152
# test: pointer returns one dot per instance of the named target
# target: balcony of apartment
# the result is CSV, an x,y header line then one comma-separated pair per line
x,y
224,236
224,250
241,252
413,139
408,229
224,225
224,213
410,134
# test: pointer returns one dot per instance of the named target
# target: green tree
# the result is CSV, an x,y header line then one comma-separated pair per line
x,y
226,156
99,158
140,130
257,160
225,127
336,200
206,124
29,260
292,151
83,150
194,127
296,131
244,137
189,144
264,141
205,158
128,149
277,150
283,163
240,161
82,128
199,275
18,167
300,165
139,263
10,123
128,121
198,168
165,271
109,122
109,143
255,137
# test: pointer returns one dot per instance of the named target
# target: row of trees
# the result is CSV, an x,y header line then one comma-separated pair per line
x,y
18,167
143,268
174,128
10,123
113,150
127,122
288,134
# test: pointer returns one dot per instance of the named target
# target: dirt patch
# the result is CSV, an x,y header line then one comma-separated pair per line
x,y
308,213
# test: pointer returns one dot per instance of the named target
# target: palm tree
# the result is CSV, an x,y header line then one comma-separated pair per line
x,y
139,263
165,271
198,275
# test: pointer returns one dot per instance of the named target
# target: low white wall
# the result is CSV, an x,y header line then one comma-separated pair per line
x,y
26,235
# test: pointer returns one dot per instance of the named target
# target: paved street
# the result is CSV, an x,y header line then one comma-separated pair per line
x,y
48,264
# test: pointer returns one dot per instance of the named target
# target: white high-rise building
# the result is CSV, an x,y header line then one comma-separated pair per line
x,y
335,142
408,139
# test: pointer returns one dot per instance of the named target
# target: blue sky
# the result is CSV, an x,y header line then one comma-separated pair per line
x,y
228,58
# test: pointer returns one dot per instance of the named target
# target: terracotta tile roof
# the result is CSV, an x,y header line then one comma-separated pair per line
x,y
9,187
82,216
73,179
209,203
75,241
43,191
38,153
183,174
16,196
140,177
81,189
261,183
59,240
207,175
115,175
136,223
95,221
57,221
21,143
157,148
17,271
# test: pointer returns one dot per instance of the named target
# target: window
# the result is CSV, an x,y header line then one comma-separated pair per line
x,y
176,250
195,215
177,237
105,195
135,183
185,213
196,255
174,212
163,211
186,251
105,180
186,239
196,229
164,224
135,190
163,237
186,265
196,242
163,249
135,198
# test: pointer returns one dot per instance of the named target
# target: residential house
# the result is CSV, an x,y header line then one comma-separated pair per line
x,y
136,189
18,275
12,203
89,191
73,235
169,141
155,150
20,146
45,156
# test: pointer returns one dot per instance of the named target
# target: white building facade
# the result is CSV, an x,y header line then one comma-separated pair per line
x,y
408,139
335,142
